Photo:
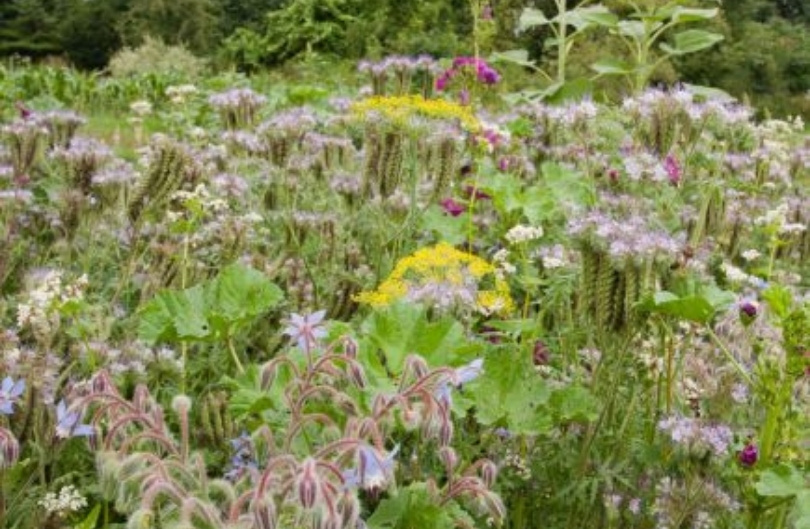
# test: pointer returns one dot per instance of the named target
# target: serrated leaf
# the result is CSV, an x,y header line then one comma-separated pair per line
x,y
510,392
574,403
239,294
530,18
444,226
691,41
404,328
782,480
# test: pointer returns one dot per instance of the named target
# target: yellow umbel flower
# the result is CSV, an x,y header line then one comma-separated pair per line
x,y
445,278
401,109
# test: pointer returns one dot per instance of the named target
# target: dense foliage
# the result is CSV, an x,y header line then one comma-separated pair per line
x,y
764,55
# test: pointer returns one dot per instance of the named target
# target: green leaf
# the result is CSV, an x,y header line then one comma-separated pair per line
x,y
444,226
782,480
688,14
239,294
779,300
573,90
404,328
202,312
90,520
412,507
530,18
585,17
632,28
612,67
510,392
692,40
519,57
574,403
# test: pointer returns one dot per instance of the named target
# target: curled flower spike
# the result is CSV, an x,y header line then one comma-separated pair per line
x,y
10,392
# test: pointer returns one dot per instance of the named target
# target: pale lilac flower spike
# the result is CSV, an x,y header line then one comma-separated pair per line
x,y
68,423
306,330
10,391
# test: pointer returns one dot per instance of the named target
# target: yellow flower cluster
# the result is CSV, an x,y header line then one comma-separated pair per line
x,y
400,109
448,270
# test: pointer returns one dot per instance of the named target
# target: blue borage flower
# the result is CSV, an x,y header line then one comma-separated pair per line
x,y
306,330
10,392
68,423
374,469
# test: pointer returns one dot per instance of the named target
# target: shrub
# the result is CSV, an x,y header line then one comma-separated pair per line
x,y
154,56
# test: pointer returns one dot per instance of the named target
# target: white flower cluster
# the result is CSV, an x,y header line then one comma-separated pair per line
x,y
179,94
777,218
504,267
67,501
751,255
200,196
520,234
40,311
736,275
141,108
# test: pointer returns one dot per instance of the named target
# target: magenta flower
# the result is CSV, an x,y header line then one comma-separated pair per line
x,y
749,455
673,170
452,207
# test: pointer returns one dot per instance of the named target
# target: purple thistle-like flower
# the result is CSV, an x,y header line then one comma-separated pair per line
x,y
10,392
452,207
68,423
749,455
305,331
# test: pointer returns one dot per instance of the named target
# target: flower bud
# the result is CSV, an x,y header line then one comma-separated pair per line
x,y
263,511
449,457
749,455
9,449
488,473
308,484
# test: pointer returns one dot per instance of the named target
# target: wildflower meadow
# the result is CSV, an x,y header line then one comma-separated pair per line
x,y
428,292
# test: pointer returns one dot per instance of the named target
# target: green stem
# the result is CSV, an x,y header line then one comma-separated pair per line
x,y
235,357
730,357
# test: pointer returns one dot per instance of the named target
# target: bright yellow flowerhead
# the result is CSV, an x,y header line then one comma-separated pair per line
x,y
445,278
403,109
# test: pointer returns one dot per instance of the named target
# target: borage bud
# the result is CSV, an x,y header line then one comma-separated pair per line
x,y
268,375
264,513
418,366
350,347
9,449
488,473
446,433
449,457
308,483
357,375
